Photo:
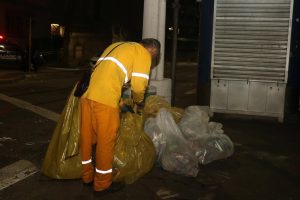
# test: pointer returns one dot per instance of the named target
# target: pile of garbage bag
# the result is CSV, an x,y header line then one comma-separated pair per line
x,y
194,140
178,140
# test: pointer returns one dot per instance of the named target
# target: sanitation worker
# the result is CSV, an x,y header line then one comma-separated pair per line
x,y
120,63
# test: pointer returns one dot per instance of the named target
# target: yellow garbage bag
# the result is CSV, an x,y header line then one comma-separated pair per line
x,y
154,103
134,151
63,160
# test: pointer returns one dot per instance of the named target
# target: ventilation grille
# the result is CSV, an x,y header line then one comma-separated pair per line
x,y
251,39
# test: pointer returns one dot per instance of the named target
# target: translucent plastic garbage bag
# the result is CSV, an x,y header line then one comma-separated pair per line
x,y
177,156
194,122
63,160
134,151
215,127
206,138
156,135
211,147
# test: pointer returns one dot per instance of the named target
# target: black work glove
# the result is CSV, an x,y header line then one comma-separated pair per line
x,y
138,107
126,108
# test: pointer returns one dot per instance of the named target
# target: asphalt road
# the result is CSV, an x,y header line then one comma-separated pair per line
x,y
265,164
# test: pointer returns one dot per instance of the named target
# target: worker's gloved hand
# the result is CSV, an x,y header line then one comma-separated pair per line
x,y
126,108
138,107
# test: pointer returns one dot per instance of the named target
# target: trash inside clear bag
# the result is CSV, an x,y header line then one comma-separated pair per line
x,y
212,147
194,122
153,131
176,156
206,138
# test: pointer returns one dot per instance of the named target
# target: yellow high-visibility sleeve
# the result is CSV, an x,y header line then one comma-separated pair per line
x,y
140,78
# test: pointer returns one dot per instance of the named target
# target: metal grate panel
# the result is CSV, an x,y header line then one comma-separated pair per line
x,y
251,39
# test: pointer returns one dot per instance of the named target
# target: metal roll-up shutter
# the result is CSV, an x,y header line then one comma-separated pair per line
x,y
251,40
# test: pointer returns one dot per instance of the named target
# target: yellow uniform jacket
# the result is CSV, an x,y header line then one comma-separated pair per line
x,y
128,62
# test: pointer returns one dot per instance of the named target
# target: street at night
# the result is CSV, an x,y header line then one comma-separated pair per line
x,y
225,80
265,163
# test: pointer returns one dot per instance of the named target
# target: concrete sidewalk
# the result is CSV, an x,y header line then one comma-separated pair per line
x,y
9,76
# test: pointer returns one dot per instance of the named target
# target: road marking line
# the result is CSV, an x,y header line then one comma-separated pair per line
x,y
65,69
166,194
28,106
16,172
192,91
4,139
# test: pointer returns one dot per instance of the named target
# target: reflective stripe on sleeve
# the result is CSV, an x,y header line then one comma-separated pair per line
x,y
84,162
104,172
146,76
119,65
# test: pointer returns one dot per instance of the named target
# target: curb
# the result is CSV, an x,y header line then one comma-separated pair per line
x,y
9,77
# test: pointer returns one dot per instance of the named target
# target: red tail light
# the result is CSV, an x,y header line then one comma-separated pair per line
x,y
1,37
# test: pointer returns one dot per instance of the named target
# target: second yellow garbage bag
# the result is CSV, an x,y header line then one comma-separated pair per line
x,y
63,160
154,103
134,151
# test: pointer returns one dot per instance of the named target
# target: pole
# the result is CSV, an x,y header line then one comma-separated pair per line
x,y
176,7
161,37
29,45
150,25
199,47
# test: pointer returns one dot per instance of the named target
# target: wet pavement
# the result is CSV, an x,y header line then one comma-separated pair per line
x,y
265,163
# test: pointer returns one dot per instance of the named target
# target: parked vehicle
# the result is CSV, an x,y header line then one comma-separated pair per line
x,y
13,55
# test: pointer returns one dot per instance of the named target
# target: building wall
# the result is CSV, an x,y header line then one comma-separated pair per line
x,y
83,46
2,20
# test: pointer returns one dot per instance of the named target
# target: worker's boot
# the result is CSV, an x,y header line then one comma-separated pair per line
x,y
114,187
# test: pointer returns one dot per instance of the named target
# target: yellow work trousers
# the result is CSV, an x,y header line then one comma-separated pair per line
x,y
99,125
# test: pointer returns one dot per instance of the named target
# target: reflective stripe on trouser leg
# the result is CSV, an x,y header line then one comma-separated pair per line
x,y
103,172
86,135
106,124
84,162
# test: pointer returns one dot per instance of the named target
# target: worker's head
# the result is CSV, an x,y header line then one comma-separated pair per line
x,y
153,46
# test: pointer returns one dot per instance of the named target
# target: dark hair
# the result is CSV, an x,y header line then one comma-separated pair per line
x,y
154,43
151,42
